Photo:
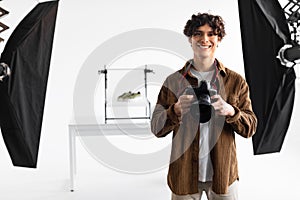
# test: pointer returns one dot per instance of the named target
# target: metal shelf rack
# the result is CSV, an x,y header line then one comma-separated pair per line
x,y
148,110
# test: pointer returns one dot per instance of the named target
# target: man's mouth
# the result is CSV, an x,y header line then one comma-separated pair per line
x,y
204,46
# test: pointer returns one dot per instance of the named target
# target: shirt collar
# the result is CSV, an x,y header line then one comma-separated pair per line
x,y
221,68
189,64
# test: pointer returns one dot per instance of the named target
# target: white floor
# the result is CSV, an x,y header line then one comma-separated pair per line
x,y
273,176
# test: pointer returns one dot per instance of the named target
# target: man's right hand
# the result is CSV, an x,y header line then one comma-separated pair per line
x,y
182,106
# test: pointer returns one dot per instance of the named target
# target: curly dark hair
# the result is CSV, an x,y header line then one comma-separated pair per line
x,y
214,21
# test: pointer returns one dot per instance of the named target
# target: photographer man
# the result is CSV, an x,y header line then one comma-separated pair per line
x,y
203,156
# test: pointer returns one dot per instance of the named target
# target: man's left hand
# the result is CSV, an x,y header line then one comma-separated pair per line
x,y
222,107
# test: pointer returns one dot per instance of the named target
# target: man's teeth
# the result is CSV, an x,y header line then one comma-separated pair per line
x,y
204,47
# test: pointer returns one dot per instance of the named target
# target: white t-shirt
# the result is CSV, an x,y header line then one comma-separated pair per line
x,y
205,164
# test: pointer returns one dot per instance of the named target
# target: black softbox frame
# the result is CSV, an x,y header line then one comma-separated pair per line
x,y
22,94
264,31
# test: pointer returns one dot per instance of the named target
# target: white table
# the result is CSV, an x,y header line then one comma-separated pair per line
x,y
84,130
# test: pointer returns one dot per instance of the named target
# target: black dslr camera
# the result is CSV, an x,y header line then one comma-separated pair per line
x,y
201,109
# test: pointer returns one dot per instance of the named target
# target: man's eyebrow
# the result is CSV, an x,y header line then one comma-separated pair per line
x,y
197,31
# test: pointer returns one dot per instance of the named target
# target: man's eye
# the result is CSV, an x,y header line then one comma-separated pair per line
x,y
197,34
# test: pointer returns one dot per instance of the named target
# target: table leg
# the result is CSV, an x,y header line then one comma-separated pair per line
x,y
72,157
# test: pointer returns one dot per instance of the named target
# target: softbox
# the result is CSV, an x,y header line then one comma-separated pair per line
x,y
264,31
22,94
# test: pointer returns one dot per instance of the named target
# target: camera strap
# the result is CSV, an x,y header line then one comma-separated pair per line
x,y
187,68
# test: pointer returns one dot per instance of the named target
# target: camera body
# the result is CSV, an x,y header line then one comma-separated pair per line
x,y
201,109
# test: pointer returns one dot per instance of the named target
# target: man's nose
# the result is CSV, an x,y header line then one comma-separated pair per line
x,y
204,38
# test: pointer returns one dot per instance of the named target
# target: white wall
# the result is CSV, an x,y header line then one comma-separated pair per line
x,y
82,26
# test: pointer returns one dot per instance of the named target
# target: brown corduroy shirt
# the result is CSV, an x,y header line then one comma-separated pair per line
x,y
184,161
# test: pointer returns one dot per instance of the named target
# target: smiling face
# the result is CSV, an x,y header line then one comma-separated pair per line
x,y
204,42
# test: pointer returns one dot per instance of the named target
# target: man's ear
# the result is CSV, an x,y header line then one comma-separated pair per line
x,y
219,41
190,40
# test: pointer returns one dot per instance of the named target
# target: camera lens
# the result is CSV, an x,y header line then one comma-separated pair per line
x,y
201,108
